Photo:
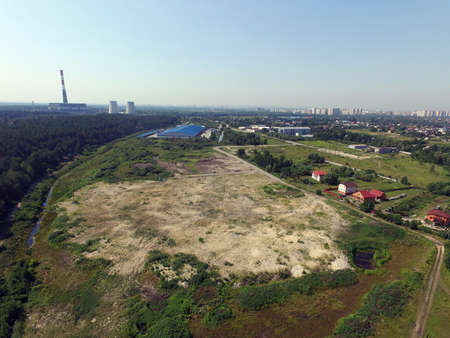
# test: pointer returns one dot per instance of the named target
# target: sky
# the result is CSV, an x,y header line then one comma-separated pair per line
x,y
374,54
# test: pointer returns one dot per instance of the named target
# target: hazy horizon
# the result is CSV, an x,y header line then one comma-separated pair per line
x,y
385,55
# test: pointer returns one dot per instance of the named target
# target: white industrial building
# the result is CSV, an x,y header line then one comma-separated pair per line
x,y
113,107
130,109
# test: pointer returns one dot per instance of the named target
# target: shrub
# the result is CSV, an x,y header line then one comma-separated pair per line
x,y
331,179
218,315
169,328
383,300
367,206
257,297
447,255
241,153
316,158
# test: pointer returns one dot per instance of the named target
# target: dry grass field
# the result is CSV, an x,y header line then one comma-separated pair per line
x,y
228,215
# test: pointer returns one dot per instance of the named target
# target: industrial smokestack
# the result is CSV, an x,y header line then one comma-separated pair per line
x,y
63,88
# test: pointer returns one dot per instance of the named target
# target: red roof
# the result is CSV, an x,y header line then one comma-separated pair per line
x,y
376,193
440,213
319,173
366,194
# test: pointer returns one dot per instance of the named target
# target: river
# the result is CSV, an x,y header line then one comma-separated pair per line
x,y
37,225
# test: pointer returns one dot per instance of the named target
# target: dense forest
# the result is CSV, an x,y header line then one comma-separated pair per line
x,y
30,147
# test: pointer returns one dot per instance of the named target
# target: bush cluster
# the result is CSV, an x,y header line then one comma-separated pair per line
x,y
14,292
383,300
257,297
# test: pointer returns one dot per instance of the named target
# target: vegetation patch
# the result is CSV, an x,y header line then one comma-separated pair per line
x,y
14,292
179,269
383,300
257,297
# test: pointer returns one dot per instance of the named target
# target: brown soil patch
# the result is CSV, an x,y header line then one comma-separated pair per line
x,y
175,167
143,165
220,164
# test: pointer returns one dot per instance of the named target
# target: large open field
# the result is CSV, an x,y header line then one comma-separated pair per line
x,y
235,220
145,235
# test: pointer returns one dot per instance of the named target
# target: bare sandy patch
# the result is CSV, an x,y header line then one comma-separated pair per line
x,y
227,221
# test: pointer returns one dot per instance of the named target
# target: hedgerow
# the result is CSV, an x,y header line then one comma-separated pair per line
x,y
257,297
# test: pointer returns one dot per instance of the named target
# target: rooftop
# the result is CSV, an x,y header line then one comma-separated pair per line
x,y
440,213
319,172
349,184
187,130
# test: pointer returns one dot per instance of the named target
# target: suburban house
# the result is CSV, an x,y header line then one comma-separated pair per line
x,y
318,175
438,217
347,188
363,195
379,195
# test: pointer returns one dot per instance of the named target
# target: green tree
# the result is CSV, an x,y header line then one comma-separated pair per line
x,y
404,180
331,179
241,153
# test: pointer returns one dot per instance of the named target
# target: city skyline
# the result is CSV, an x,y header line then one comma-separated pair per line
x,y
298,54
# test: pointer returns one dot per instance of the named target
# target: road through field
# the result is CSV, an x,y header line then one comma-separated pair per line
x,y
425,308
423,312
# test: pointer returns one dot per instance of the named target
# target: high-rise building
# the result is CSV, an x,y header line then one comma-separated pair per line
x,y
130,109
113,107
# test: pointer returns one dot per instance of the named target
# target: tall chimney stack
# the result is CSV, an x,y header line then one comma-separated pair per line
x,y
63,88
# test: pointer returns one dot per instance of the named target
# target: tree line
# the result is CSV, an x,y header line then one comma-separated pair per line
x,y
30,147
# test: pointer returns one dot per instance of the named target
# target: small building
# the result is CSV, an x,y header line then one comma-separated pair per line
x,y
363,195
386,150
438,217
358,146
294,131
318,175
379,195
347,188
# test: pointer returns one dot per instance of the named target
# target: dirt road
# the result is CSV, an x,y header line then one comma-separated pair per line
x,y
424,311
259,170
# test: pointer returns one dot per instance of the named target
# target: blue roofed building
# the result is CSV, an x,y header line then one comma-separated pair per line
x,y
183,131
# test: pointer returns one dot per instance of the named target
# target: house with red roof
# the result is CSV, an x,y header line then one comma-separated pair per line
x,y
318,175
347,188
363,195
438,217
379,195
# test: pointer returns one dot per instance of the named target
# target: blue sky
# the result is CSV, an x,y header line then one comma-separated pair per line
x,y
376,54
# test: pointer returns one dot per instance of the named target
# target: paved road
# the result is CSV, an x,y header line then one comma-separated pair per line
x,y
424,311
